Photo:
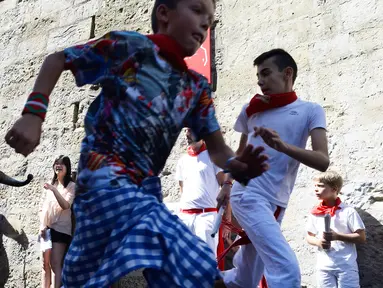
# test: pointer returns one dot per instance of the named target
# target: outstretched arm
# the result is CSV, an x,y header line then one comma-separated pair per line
x,y
249,164
87,63
224,195
240,149
219,152
24,136
50,73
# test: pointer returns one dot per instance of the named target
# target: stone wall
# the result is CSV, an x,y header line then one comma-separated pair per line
x,y
337,45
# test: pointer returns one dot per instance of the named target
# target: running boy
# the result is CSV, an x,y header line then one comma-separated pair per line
x,y
336,257
121,223
284,123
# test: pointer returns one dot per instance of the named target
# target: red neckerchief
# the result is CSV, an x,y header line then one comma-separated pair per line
x,y
276,100
194,153
322,209
170,50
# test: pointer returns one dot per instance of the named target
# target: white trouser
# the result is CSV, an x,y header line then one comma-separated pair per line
x,y
202,225
269,253
343,278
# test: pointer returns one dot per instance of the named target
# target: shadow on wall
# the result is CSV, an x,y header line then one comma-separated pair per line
x,y
7,230
370,254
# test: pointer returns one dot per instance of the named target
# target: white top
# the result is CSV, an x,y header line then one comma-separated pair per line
x,y
52,215
199,177
341,254
293,123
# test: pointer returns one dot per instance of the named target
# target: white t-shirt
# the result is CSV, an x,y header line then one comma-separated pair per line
x,y
199,177
341,254
293,123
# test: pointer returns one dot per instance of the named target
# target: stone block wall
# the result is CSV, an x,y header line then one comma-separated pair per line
x,y
339,51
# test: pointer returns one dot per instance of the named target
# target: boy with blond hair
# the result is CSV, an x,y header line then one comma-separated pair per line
x,y
336,257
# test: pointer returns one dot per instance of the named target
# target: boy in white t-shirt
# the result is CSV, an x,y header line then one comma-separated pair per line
x,y
284,123
336,258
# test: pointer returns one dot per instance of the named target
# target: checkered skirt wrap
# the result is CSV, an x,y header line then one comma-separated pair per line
x,y
122,228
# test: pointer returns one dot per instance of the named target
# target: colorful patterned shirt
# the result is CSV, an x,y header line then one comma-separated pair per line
x,y
133,124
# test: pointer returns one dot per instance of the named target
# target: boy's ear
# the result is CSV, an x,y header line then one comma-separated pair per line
x,y
162,15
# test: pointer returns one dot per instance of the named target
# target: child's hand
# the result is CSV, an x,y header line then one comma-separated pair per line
x,y
248,165
271,138
25,134
330,236
223,196
322,243
226,233
42,232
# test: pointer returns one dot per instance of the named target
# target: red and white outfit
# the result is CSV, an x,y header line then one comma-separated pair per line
x,y
337,266
200,189
254,206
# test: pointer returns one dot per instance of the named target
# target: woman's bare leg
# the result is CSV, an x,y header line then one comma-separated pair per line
x,y
46,271
57,258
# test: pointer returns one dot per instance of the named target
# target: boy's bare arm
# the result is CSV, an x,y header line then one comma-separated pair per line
x,y
224,194
242,144
50,73
358,237
221,178
241,147
219,152
317,158
249,164
25,134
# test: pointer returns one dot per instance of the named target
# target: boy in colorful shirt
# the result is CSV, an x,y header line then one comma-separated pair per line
x,y
121,223
283,122
336,257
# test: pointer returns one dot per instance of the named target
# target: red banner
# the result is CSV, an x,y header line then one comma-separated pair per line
x,y
200,61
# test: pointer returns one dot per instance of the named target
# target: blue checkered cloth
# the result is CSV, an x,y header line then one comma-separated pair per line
x,y
124,227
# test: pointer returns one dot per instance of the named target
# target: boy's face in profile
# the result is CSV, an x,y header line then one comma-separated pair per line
x,y
270,79
189,23
324,191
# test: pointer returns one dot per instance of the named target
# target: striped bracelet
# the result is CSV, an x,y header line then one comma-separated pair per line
x,y
37,104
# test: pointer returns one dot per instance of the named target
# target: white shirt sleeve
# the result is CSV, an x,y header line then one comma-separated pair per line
x,y
354,222
317,118
241,123
179,171
217,169
310,225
